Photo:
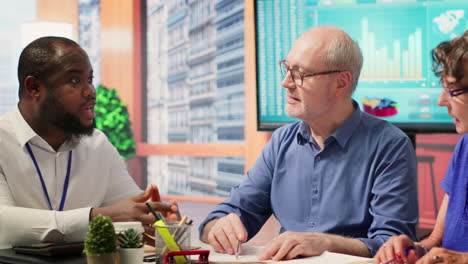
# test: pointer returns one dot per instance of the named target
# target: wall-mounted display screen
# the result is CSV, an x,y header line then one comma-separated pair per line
x,y
396,38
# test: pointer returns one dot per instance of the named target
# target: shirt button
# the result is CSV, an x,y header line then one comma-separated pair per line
x,y
317,158
315,191
312,223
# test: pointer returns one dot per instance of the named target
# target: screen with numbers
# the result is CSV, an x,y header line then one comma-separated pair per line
x,y
396,38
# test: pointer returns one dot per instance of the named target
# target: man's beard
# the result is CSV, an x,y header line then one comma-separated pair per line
x,y
54,112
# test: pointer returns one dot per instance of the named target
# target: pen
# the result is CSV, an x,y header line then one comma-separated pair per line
x,y
152,211
237,249
161,217
183,221
177,233
405,252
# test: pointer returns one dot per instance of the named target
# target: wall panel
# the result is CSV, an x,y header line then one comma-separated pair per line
x,y
59,10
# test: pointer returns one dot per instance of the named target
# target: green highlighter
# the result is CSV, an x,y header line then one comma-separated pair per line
x,y
169,240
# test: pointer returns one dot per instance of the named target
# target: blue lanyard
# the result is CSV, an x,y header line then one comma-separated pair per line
x,y
44,188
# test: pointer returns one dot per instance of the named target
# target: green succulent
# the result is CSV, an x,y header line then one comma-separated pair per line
x,y
100,239
130,238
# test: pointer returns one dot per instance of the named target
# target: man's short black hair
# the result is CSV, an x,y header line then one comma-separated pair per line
x,y
38,59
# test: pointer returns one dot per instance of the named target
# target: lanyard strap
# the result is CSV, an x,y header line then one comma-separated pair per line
x,y
44,188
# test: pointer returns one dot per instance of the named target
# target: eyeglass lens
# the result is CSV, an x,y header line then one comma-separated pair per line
x,y
451,91
297,78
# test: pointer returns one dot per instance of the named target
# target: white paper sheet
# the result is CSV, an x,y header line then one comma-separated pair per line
x,y
249,255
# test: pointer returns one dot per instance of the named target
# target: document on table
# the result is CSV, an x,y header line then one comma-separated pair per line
x,y
249,255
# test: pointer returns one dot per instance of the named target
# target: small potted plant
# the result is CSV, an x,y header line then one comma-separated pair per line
x,y
130,244
100,245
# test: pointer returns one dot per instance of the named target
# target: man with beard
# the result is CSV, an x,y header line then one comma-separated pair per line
x,y
338,180
56,171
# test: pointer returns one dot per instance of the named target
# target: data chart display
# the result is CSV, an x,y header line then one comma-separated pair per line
x,y
396,38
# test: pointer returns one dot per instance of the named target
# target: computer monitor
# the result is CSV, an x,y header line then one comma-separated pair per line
x,y
396,38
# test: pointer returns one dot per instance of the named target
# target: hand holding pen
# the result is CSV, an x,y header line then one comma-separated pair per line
x,y
399,249
225,234
156,197
134,209
399,256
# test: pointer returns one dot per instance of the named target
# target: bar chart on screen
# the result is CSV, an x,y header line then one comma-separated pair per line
x,y
396,37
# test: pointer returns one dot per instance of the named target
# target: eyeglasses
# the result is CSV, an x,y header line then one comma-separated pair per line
x,y
456,92
453,92
298,76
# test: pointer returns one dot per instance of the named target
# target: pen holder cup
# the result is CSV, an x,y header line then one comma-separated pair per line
x,y
171,237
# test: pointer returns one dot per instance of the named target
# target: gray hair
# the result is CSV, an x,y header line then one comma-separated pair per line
x,y
344,54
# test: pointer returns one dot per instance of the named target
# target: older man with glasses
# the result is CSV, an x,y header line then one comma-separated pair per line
x,y
337,180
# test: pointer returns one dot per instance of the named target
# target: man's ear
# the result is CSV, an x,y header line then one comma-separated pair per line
x,y
31,87
343,83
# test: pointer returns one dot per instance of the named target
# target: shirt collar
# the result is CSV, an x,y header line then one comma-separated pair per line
x,y
345,131
24,134
303,134
342,134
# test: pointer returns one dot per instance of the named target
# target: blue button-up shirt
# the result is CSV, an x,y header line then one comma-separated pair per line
x,y
362,184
